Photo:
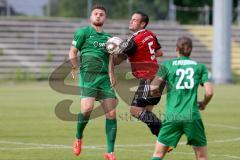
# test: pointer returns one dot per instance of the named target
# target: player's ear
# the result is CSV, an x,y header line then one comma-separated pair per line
x,y
143,24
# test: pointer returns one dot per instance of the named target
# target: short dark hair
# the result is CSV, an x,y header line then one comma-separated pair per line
x,y
185,45
99,6
144,16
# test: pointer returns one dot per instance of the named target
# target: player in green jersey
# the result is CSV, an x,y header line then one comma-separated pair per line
x,y
183,76
96,77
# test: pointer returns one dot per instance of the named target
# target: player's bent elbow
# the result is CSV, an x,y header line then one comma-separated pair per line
x,y
208,89
209,93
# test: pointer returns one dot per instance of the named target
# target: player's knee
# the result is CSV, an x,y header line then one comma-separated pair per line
x,y
111,114
201,153
160,155
86,111
201,156
135,111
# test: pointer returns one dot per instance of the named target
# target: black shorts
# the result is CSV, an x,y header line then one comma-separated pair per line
x,y
142,96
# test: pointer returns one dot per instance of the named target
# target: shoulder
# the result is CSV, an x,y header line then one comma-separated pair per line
x,y
85,28
202,67
82,30
149,31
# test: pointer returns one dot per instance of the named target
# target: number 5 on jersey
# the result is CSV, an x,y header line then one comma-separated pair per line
x,y
151,50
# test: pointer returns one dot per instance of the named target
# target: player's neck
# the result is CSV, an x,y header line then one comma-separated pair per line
x,y
139,30
98,29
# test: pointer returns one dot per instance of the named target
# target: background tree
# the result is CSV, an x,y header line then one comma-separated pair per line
x,y
156,9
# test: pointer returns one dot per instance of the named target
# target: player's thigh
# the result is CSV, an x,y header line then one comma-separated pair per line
x,y
136,111
105,91
195,132
88,83
87,105
170,133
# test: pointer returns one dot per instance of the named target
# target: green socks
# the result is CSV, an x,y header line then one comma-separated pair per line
x,y
111,132
81,124
156,158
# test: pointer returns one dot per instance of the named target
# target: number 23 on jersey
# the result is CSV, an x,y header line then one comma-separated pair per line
x,y
185,80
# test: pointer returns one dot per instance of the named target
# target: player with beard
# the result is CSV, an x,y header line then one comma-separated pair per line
x,y
141,50
95,78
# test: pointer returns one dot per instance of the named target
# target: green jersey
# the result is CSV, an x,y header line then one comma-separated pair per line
x,y
183,77
93,54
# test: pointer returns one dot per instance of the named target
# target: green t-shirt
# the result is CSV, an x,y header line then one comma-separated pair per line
x,y
183,77
93,54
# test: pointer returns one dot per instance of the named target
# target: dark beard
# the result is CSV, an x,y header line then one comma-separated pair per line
x,y
98,24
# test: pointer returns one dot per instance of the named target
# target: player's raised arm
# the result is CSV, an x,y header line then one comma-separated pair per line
x,y
158,50
126,48
208,88
73,59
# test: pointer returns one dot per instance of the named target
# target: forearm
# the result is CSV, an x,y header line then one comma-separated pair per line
x,y
73,57
111,65
208,93
118,59
207,99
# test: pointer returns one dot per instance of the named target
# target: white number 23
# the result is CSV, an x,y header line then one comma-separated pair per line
x,y
188,73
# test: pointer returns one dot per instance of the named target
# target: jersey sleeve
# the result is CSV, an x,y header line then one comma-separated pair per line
x,y
79,38
163,71
158,45
204,76
131,47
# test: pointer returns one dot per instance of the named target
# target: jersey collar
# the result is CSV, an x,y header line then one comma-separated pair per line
x,y
136,33
184,57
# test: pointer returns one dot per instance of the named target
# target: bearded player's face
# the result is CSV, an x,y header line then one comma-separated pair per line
x,y
98,17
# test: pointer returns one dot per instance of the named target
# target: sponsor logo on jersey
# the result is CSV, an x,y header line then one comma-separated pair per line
x,y
99,44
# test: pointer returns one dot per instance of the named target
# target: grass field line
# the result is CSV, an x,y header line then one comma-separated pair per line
x,y
186,153
222,126
120,147
44,146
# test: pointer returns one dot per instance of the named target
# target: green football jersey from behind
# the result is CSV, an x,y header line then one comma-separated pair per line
x,y
183,77
93,54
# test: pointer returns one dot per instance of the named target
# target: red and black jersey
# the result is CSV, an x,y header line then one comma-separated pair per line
x,y
141,55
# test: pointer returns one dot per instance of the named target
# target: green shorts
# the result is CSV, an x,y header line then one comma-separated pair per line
x,y
95,85
171,133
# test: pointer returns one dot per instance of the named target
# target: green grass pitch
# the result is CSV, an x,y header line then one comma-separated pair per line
x,y
29,129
